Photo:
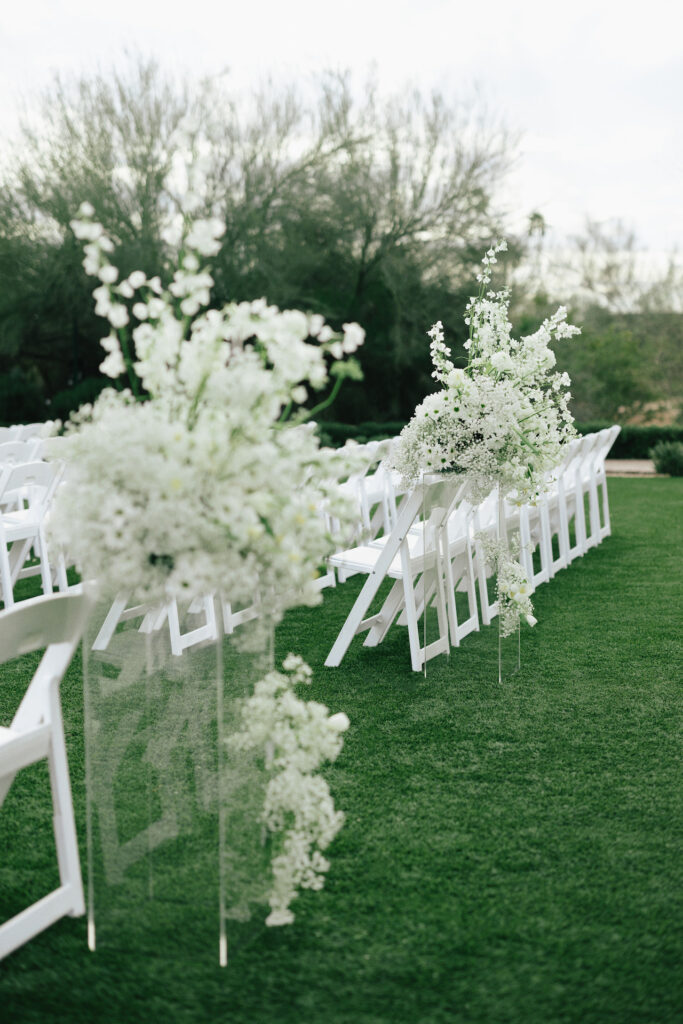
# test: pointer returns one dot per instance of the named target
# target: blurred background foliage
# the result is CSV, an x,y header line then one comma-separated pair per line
x,y
373,209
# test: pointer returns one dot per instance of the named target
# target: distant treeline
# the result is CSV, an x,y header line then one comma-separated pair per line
x,y
375,210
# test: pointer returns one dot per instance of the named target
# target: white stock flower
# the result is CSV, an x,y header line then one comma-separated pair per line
x,y
204,236
339,721
108,273
354,336
136,279
503,420
113,366
117,316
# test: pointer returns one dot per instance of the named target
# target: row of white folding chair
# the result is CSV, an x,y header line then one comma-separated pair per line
x,y
168,616
465,563
580,473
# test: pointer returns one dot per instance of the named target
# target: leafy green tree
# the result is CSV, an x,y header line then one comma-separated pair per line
x,y
372,210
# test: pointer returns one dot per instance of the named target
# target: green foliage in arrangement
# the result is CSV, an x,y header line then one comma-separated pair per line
x,y
668,457
510,853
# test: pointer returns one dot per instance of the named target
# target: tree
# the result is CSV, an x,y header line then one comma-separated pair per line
x,y
373,210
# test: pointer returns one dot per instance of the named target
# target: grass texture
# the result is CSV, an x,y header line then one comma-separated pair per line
x,y
511,853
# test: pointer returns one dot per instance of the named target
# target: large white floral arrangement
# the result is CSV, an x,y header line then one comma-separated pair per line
x,y
503,418
202,476
196,478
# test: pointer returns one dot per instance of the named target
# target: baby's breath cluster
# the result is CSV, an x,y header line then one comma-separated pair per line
x,y
503,419
295,737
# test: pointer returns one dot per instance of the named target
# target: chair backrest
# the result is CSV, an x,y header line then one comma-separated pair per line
x,y
36,481
577,457
607,437
9,434
16,452
44,621
29,430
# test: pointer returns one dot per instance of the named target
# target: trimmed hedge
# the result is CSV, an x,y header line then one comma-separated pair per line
x,y
668,457
634,442
631,443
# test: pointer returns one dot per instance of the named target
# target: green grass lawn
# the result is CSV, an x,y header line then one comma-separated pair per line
x,y
511,853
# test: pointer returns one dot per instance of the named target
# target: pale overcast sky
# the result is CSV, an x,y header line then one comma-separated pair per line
x,y
594,88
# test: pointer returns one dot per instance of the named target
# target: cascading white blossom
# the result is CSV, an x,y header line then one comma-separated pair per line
x,y
299,814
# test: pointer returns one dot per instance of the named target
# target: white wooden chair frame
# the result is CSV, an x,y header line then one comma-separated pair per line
x,y
24,528
37,732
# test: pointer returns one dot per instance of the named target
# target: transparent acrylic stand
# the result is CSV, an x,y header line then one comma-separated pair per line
x,y
176,858
509,647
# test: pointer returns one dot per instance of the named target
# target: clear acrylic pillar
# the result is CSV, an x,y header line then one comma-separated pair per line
x,y
176,860
509,647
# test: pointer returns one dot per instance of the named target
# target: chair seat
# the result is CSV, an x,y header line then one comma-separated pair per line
x,y
21,524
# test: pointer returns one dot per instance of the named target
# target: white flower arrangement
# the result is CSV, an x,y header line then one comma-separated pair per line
x,y
503,419
203,476
197,478
294,738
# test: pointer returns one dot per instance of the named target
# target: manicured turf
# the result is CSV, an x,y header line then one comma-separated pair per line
x,y
511,853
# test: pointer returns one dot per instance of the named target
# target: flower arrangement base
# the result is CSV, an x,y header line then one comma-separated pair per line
x,y
509,653
175,853
509,640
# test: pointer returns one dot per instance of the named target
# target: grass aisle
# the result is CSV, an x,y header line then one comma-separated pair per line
x,y
511,854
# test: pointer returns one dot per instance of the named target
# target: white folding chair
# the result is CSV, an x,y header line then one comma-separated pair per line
x,y
455,569
373,491
529,522
597,479
406,557
565,502
15,452
56,623
24,527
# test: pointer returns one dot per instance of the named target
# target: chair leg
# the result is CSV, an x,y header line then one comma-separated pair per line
x,y
45,572
6,577
64,825
607,526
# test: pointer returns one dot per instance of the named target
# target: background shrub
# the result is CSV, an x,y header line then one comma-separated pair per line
x,y
668,457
